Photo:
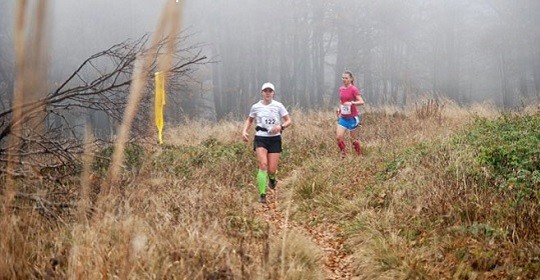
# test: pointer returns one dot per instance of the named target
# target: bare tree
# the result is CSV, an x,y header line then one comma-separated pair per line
x,y
52,126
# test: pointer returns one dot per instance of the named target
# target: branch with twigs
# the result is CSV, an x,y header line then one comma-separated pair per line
x,y
99,84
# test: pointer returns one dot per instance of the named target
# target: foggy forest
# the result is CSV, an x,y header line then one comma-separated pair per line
x,y
467,51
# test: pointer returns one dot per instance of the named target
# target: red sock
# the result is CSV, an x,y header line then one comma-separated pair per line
x,y
341,145
357,147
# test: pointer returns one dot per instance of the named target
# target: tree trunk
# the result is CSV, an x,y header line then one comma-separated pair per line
x,y
503,80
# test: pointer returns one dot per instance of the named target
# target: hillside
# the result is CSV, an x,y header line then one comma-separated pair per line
x,y
440,192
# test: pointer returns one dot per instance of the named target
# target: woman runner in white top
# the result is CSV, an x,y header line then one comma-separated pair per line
x,y
271,118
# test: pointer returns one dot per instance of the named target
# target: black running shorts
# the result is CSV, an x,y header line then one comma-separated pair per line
x,y
272,144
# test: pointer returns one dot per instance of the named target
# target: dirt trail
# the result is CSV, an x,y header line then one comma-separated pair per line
x,y
335,262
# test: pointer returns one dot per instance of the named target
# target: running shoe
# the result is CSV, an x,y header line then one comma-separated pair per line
x,y
262,199
273,183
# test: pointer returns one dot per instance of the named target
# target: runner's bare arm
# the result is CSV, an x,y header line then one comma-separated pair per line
x,y
247,124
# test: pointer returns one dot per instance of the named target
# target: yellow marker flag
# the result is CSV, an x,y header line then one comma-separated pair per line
x,y
159,103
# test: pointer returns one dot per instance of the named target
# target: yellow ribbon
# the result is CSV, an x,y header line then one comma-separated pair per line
x,y
159,103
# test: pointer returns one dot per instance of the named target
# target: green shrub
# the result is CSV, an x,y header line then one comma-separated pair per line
x,y
507,161
510,147
133,157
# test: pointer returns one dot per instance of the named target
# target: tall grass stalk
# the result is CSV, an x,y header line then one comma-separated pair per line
x,y
168,26
29,73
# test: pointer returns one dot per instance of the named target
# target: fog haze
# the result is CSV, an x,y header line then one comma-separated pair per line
x,y
399,51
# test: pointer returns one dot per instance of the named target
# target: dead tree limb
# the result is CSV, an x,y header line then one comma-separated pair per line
x,y
51,126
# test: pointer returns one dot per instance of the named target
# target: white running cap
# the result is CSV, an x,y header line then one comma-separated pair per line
x,y
268,85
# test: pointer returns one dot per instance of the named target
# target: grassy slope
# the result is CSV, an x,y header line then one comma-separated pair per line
x,y
416,205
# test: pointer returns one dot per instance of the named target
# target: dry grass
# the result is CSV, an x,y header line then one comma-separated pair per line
x,y
189,210
409,208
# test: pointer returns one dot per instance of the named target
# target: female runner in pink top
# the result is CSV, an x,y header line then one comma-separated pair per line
x,y
348,115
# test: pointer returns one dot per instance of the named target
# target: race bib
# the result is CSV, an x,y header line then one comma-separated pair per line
x,y
345,109
269,121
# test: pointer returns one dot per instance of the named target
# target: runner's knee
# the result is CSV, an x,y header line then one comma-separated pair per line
x,y
263,165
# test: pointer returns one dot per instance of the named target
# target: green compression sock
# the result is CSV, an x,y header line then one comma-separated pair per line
x,y
261,180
